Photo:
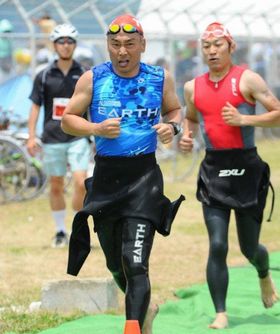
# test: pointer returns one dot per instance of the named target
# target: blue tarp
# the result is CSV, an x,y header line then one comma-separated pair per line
x,y
14,97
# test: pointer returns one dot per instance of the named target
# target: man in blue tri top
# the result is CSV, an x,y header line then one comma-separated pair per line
x,y
126,99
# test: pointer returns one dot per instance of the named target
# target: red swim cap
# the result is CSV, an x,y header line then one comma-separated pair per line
x,y
217,29
127,19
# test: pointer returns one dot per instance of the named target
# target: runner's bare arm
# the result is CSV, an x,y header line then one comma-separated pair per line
x,y
254,89
171,110
32,121
72,121
171,107
191,120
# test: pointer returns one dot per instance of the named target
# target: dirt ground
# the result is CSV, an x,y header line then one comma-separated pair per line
x,y
27,261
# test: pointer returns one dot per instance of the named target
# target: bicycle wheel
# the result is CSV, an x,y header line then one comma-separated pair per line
x,y
176,166
14,170
38,180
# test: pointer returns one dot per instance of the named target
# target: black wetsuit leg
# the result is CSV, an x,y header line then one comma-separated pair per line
x,y
248,229
109,233
217,222
127,246
138,236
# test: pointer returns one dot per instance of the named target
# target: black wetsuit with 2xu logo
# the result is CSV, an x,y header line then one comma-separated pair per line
x,y
232,176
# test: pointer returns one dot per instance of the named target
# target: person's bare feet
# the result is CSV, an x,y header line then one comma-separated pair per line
x,y
150,316
220,322
268,292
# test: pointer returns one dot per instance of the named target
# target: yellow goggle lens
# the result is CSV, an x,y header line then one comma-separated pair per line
x,y
114,28
128,28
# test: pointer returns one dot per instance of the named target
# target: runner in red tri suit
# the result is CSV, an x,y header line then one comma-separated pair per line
x,y
232,175
210,98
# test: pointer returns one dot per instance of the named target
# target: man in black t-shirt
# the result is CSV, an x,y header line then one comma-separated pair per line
x,y
52,89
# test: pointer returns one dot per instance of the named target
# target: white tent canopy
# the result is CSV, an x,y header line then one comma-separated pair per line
x,y
170,26
243,18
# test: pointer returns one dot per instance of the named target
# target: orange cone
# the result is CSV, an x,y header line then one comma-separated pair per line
x,y
132,327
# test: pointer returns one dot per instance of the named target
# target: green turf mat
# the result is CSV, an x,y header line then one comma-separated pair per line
x,y
194,310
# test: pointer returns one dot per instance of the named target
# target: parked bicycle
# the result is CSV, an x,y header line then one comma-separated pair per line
x,y
15,171
32,181
38,179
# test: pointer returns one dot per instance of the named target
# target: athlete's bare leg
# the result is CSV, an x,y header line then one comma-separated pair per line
x,y
220,322
268,292
150,316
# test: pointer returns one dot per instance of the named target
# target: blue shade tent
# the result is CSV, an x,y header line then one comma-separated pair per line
x,y
14,95
14,98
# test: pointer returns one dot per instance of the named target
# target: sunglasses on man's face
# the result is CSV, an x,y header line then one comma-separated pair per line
x,y
63,40
128,28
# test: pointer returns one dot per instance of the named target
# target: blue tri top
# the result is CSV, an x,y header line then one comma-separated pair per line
x,y
136,100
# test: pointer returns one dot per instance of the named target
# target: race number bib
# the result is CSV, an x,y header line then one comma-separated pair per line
x,y
59,105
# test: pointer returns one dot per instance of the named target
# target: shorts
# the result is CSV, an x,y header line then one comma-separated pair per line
x,y
57,157
234,179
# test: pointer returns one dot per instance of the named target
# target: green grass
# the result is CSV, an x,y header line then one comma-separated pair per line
x,y
31,323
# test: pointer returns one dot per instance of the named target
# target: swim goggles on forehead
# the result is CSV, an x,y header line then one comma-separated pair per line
x,y
219,32
127,27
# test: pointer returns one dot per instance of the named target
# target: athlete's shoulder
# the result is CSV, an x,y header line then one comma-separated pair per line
x,y
102,68
189,85
251,81
189,89
248,73
85,83
202,76
238,69
87,74
152,69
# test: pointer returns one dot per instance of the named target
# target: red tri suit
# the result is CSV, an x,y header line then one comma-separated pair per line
x,y
210,98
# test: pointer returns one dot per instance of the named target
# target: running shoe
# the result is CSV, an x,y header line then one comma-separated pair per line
x,y
60,240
